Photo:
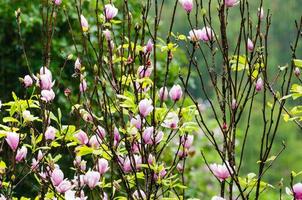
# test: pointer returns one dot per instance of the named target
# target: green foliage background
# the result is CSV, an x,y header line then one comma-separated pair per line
x,y
200,185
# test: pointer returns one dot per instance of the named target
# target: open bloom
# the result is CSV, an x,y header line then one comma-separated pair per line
x,y
136,122
207,34
145,107
231,3
50,133
84,24
187,5
95,141
147,135
12,140
220,171
187,141
92,178
297,190
195,35
102,166
171,120
57,176
21,154
110,11
45,82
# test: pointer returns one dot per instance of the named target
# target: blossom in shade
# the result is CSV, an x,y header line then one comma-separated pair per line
x,y
250,45
12,140
27,81
145,107
92,178
50,133
221,171
231,3
84,24
21,154
187,5
175,93
110,11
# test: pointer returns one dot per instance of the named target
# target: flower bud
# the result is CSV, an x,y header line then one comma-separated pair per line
x,y
250,45
297,72
175,93
187,141
57,176
102,166
27,81
82,137
187,5
83,86
136,122
149,47
163,93
21,154
147,135
12,140
259,85
101,132
260,13
84,24
231,3
117,137
77,65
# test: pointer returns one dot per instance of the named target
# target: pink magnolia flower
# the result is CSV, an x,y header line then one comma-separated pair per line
x,y
34,164
175,93
195,35
149,47
27,81
45,71
126,165
102,166
145,107
110,11
50,133
207,34
187,141
57,176
45,82
83,86
180,167
261,13
107,34
297,190
92,178
64,186
136,122
95,141
40,155
231,3
117,137
77,65
297,72
12,140
47,95
101,132
187,5
139,195
163,93
171,120
220,171
159,137
151,159
250,45
82,137
259,84
147,135
144,71
21,154
160,175
84,24
58,2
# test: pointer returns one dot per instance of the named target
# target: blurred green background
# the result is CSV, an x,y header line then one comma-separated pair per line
x,y
200,185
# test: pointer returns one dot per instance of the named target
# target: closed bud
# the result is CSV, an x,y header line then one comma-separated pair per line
x,y
187,5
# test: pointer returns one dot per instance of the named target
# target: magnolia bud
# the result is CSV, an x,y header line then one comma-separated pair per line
x,y
187,5
175,93
110,11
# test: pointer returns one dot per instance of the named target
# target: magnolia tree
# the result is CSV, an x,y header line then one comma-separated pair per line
x,y
127,114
